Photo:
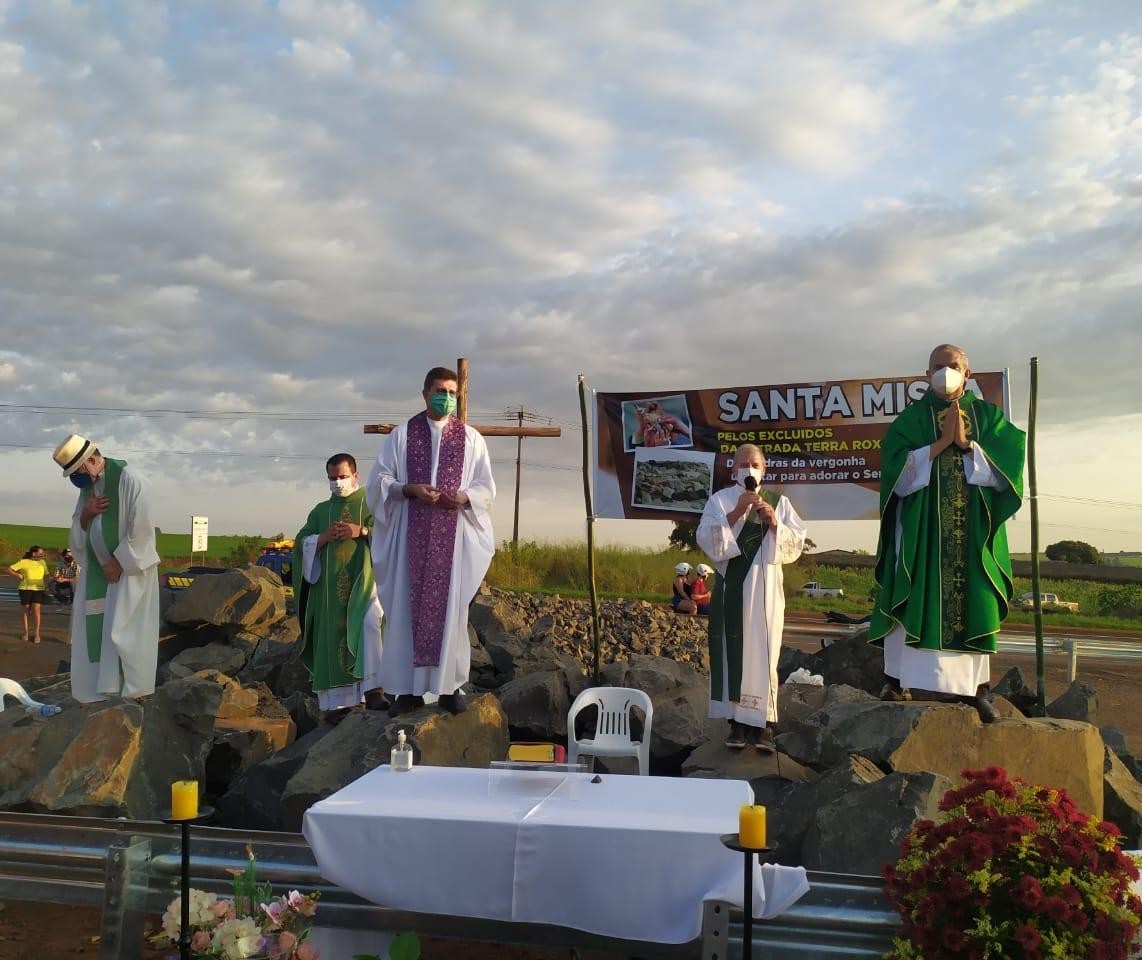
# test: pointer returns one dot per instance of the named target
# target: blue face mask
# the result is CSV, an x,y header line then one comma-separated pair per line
x,y
442,404
81,480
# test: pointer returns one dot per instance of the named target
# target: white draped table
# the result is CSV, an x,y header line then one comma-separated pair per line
x,y
628,857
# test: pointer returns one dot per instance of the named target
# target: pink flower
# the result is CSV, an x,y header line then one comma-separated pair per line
x,y
274,910
200,942
287,942
220,909
295,901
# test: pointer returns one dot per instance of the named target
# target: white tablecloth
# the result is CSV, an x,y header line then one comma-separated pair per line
x,y
630,857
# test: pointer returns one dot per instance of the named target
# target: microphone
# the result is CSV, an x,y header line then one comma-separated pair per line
x,y
751,485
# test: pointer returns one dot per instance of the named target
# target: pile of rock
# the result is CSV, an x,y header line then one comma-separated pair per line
x,y
234,709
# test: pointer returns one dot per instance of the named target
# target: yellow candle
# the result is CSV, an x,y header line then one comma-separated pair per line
x,y
184,799
751,826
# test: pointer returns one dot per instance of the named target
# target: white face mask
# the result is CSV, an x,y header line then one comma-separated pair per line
x,y
744,472
343,486
947,381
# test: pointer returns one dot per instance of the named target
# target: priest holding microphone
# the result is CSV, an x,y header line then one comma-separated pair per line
x,y
748,533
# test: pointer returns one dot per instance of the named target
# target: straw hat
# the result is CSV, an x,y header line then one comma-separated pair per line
x,y
73,453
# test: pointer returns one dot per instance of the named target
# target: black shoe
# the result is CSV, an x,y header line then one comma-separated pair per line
x,y
983,705
892,692
406,703
735,740
376,700
334,717
454,703
764,741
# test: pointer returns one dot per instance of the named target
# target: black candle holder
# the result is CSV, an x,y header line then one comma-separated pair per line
x,y
204,814
733,841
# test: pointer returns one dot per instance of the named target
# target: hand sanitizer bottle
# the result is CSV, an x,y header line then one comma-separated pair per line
x,y
402,754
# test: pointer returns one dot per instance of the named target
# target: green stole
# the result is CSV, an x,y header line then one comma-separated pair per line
x,y
95,581
726,607
951,584
332,611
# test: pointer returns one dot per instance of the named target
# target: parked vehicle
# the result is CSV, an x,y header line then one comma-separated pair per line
x,y
814,589
1050,602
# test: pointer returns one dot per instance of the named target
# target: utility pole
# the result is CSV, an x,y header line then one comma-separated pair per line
x,y
518,461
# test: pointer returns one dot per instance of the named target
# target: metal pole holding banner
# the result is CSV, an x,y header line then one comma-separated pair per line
x,y
1033,490
595,642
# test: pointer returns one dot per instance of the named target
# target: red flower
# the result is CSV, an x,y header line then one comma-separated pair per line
x,y
952,938
957,888
1027,936
1029,894
1078,920
1056,909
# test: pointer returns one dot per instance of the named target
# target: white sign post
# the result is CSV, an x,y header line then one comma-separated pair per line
x,y
198,535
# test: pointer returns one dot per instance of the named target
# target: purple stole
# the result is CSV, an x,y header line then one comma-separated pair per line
x,y
431,534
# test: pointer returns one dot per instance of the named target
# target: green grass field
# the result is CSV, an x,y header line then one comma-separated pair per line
x,y
645,574
174,548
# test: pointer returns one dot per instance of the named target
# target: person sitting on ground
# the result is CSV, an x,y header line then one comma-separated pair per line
x,y
63,581
700,588
31,571
680,594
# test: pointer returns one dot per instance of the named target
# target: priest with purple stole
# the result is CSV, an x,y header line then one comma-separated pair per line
x,y
431,492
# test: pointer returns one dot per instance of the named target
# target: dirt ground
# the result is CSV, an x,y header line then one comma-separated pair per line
x,y
36,931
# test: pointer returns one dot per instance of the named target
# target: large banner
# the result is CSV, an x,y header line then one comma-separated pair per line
x,y
659,455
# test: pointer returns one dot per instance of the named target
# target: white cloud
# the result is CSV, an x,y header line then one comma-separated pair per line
x,y
300,208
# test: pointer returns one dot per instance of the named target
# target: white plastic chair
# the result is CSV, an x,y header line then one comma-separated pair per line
x,y
612,730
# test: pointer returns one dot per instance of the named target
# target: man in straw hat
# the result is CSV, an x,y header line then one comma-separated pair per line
x,y
115,620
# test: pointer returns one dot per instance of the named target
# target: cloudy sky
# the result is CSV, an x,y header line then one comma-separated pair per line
x,y
233,231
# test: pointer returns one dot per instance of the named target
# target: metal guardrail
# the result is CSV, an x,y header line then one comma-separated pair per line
x,y
130,869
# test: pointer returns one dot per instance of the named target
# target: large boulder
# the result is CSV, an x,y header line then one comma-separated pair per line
x,y
254,799
715,761
791,819
214,657
1078,702
1056,753
92,775
850,660
861,830
536,706
252,600
364,740
1122,799
680,725
178,734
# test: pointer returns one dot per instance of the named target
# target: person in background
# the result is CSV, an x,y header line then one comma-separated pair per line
x,y
748,533
700,588
31,571
336,597
115,625
680,590
63,581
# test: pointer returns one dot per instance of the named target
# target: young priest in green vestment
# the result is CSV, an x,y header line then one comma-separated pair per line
x,y
951,475
337,598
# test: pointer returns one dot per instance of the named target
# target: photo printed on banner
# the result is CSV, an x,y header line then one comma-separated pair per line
x,y
657,422
667,479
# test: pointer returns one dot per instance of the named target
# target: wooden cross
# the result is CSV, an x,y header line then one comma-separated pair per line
x,y
488,430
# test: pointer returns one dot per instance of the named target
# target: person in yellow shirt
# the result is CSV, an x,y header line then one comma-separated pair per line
x,y
32,571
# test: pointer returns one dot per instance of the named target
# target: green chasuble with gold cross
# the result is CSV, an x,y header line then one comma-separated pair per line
x,y
950,583
332,611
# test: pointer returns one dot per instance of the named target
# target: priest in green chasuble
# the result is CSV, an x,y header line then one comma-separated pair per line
x,y
951,476
748,533
337,598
